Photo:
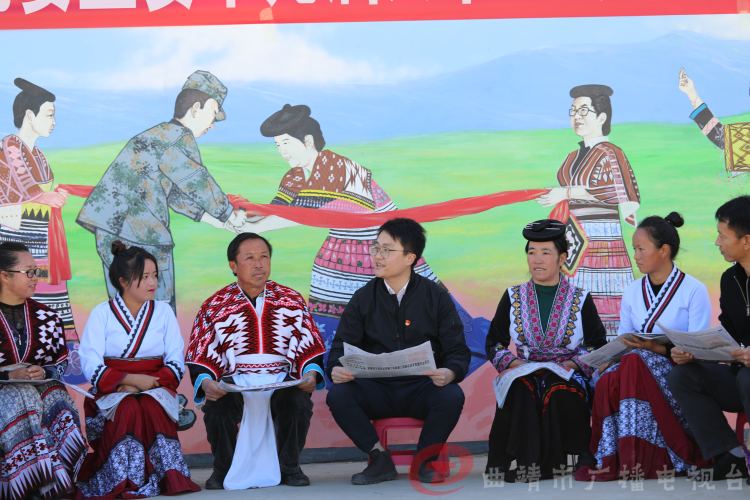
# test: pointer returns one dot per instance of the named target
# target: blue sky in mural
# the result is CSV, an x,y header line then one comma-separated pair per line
x,y
373,80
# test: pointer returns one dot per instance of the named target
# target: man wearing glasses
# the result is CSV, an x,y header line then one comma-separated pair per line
x,y
160,169
396,310
599,188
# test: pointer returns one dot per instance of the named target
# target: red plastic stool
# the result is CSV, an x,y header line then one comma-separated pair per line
x,y
405,457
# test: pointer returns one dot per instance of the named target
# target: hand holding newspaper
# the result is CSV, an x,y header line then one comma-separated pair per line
x,y
503,381
406,362
616,348
713,344
10,368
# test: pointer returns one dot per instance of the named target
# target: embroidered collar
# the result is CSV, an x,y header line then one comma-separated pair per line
x,y
559,325
9,333
136,327
657,303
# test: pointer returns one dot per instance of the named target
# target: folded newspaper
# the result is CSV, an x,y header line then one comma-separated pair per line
x,y
712,344
10,368
403,363
503,381
108,403
230,387
615,349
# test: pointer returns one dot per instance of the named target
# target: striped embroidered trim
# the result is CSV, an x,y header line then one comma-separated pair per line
x,y
655,305
12,341
135,330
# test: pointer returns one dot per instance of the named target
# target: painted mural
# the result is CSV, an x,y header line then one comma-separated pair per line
x,y
478,127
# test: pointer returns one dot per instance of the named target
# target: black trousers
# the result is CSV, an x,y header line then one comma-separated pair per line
x,y
704,391
354,404
291,410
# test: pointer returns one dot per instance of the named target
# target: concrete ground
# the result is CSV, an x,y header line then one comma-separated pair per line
x,y
332,479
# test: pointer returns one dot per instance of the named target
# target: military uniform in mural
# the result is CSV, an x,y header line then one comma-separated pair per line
x,y
157,170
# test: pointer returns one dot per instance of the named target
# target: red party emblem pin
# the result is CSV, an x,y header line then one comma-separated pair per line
x,y
407,322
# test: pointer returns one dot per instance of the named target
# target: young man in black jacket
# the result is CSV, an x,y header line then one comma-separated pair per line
x,y
396,310
704,389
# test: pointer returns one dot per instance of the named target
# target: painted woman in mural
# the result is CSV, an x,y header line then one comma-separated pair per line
x,y
733,139
597,182
27,198
320,178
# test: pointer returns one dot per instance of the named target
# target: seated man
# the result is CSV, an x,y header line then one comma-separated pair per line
x,y
255,331
396,310
703,389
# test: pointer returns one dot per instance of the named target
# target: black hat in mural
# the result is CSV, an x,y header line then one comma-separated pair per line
x,y
34,90
591,90
284,120
544,230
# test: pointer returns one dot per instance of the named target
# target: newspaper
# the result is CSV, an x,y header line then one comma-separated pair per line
x,y
713,344
109,402
503,381
412,361
10,368
611,351
229,387
616,348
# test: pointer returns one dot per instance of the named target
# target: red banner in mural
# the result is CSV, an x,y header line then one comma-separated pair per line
x,y
31,14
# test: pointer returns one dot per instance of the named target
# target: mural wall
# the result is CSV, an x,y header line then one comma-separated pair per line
x,y
480,126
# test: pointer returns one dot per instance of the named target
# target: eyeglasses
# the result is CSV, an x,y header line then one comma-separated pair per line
x,y
30,273
583,111
384,252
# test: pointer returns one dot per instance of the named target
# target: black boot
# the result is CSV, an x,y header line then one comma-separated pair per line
x,y
294,477
380,468
215,482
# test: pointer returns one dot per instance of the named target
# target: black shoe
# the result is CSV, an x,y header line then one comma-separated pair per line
x,y
215,482
379,469
428,474
727,465
295,478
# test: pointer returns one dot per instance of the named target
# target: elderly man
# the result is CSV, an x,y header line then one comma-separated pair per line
x,y
255,331
396,310
160,169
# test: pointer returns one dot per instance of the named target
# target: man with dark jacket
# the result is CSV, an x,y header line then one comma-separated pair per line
x,y
705,389
396,310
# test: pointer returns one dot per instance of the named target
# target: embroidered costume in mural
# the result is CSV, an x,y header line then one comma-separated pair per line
x,y
255,344
343,264
605,269
41,443
157,170
24,175
544,418
136,452
637,424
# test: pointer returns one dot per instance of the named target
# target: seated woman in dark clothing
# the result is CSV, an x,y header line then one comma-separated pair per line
x,y
544,417
41,445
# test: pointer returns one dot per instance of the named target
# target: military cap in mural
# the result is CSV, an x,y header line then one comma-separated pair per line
x,y
206,82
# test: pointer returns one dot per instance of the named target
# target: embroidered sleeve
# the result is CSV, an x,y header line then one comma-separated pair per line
x,y
709,125
204,356
617,184
307,348
498,336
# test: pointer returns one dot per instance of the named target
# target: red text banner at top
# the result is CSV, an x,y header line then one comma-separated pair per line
x,y
35,14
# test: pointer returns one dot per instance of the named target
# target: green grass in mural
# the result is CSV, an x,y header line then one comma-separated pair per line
x,y
478,255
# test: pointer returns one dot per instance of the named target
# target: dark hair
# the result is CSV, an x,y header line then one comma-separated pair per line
x,y
234,245
128,264
30,98
561,244
185,100
736,214
663,231
295,121
409,233
9,251
599,95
